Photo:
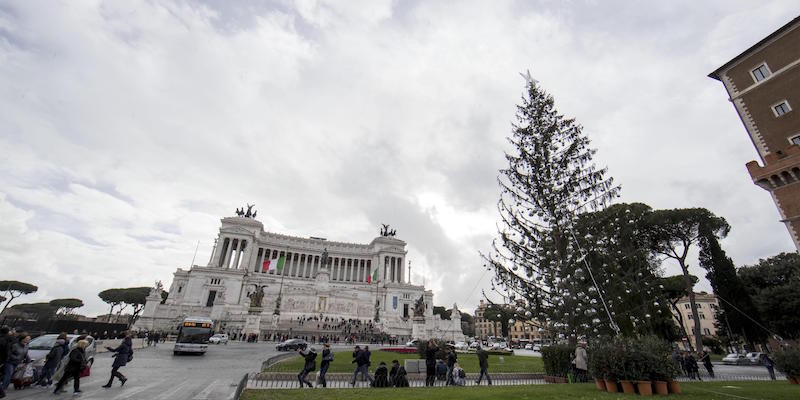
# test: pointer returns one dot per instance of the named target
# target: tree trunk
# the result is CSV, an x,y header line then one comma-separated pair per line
x,y
680,322
7,303
698,336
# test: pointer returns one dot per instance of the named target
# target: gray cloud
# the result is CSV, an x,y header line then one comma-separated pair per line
x,y
129,129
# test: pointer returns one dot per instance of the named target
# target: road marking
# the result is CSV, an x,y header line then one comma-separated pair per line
x,y
203,395
169,394
128,393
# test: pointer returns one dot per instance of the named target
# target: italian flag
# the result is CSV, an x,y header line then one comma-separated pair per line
x,y
275,263
373,277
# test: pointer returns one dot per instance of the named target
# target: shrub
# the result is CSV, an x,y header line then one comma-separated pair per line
x,y
557,359
788,361
636,359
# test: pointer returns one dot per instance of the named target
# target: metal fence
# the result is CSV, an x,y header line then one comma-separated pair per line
x,y
340,380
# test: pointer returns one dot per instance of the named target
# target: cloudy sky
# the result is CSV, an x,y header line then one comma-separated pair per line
x,y
128,129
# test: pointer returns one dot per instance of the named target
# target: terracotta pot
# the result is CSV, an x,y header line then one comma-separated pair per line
x,y
660,387
674,386
627,387
645,388
793,380
601,385
611,386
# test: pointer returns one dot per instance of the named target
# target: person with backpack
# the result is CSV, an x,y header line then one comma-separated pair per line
x,y
397,376
483,361
327,358
53,358
310,365
77,363
123,354
459,375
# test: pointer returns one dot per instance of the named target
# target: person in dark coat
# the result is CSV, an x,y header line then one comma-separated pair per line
x,y
310,365
430,363
53,358
381,376
691,366
17,354
77,363
122,354
327,358
769,364
3,357
705,358
397,376
452,358
361,359
483,362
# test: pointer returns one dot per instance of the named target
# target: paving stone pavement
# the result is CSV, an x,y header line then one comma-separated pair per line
x,y
157,374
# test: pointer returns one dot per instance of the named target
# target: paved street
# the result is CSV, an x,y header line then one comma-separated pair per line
x,y
158,375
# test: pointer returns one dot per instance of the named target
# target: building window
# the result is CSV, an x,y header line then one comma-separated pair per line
x,y
706,332
761,72
781,108
180,288
701,316
686,306
690,316
211,296
795,140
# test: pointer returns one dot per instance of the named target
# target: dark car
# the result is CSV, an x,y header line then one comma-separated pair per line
x,y
292,344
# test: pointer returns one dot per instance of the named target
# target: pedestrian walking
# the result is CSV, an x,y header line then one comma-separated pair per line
x,y
430,363
691,366
17,354
769,364
705,359
327,358
53,358
77,363
361,359
4,340
381,376
581,363
452,358
310,365
123,354
397,376
483,362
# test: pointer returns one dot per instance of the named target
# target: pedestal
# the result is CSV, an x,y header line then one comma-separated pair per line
x,y
252,322
418,328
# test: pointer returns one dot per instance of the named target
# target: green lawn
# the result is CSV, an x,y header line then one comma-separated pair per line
x,y
778,390
343,362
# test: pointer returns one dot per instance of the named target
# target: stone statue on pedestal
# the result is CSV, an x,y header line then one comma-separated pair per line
x,y
419,307
257,296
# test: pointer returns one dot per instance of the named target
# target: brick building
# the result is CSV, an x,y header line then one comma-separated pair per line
x,y
763,83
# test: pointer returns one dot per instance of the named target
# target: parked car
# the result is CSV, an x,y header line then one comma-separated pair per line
x,y
218,338
499,346
537,348
754,358
735,359
39,347
412,343
528,346
474,345
292,344
462,346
